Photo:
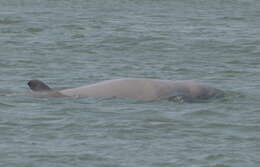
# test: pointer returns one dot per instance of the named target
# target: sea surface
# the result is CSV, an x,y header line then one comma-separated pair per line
x,y
70,43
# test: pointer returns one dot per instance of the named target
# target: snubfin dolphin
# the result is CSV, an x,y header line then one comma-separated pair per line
x,y
137,88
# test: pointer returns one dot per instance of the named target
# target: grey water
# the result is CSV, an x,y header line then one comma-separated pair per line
x,y
70,43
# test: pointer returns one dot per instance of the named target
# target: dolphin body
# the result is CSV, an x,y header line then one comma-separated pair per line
x,y
137,88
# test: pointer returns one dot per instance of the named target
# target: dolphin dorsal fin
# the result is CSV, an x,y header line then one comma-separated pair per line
x,y
37,85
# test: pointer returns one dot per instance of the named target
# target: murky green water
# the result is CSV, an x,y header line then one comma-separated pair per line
x,y
70,43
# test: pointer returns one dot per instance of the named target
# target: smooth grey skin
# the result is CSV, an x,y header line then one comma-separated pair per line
x,y
137,88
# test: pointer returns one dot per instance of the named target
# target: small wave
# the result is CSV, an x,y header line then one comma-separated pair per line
x,y
34,30
12,94
201,113
9,21
5,105
230,18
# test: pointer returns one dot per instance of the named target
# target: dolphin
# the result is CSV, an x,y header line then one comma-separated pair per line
x,y
136,88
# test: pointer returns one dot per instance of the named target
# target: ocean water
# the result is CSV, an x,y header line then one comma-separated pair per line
x,y
70,43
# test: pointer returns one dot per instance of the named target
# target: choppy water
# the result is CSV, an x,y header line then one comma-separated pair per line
x,y
70,43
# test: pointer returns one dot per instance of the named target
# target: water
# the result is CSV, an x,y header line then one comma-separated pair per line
x,y
73,43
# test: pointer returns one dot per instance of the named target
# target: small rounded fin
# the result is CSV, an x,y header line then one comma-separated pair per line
x,y
37,85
